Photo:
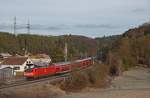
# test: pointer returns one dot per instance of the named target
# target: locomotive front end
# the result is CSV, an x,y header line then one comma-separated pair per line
x,y
29,71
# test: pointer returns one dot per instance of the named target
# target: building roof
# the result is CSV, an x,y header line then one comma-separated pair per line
x,y
5,54
38,56
14,61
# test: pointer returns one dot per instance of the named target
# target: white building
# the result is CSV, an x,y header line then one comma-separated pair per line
x,y
16,63
40,58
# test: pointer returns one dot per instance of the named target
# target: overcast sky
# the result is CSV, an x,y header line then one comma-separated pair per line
x,y
84,17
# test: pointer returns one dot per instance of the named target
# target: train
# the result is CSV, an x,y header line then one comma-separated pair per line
x,y
33,71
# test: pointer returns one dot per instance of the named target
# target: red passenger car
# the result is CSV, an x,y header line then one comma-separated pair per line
x,y
40,70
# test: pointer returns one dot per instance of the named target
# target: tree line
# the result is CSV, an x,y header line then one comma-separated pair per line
x,y
78,46
132,48
127,50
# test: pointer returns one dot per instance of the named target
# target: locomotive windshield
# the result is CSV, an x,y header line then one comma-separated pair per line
x,y
29,67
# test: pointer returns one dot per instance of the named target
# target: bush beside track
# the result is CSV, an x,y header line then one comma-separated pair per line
x,y
95,76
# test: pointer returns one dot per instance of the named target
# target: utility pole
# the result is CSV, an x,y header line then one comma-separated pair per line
x,y
66,52
26,47
14,26
28,27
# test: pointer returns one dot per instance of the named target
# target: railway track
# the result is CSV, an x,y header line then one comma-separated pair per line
x,y
20,83
51,78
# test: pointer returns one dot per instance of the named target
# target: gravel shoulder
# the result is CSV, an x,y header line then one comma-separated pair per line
x,y
134,83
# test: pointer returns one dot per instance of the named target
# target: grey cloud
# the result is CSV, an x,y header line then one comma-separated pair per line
x,y
140,10
79,26
54,28
61,27
79,16
93,26
8,26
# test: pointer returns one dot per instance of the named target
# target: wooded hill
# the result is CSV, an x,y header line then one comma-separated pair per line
x,y
129,49
78,46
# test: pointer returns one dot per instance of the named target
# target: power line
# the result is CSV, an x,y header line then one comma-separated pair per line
x,y
28,27
15,25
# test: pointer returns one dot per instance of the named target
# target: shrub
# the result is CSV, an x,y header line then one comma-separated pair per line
x,y
95,76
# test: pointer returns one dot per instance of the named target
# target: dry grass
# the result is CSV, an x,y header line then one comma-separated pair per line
x,y
19,74
43,91
96,76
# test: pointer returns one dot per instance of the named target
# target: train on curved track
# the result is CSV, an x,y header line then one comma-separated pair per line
x,y
35,71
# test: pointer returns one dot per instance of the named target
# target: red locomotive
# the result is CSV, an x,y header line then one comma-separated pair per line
x,y
35,70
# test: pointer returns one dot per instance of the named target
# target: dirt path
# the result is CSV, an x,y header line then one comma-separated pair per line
x,y
134,78
134,83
